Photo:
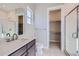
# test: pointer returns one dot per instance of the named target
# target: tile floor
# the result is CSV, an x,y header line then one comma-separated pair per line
x,y
54,50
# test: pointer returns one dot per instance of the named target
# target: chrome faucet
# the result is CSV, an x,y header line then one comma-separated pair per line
x,y
15,36
8,38
11,38
8,34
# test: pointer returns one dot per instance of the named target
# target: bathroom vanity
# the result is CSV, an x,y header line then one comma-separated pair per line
x,y
18,22
20,47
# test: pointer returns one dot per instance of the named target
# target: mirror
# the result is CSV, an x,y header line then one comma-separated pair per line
x,y
10,27
7,26
20,25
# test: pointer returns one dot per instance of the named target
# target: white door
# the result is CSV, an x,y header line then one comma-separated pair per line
x,y
72,33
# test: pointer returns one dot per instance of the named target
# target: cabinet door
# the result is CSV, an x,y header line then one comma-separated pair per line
x,y
71,32
25,54
31,51
32,48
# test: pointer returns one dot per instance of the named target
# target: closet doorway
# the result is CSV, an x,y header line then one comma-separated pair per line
x,y
55,28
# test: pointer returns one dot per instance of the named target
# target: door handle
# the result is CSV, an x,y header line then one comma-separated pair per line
x,y
74,35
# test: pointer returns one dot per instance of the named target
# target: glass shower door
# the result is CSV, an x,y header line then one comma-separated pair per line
x,y
78,31
72,32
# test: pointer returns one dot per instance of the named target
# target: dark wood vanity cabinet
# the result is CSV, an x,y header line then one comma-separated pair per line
x,y
31,51
26,50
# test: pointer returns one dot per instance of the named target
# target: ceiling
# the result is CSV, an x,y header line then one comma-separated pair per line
x,y
13,6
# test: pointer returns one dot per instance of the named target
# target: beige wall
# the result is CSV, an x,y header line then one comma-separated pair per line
x,y
68,7
12,16
3,14
55,15
3,17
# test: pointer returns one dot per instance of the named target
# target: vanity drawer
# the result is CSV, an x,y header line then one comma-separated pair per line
x,y
25,53
19,52
31,51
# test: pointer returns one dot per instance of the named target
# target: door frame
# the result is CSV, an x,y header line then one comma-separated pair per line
x,y
48,26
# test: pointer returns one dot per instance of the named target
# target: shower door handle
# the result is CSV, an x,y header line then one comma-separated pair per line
x,y
74,35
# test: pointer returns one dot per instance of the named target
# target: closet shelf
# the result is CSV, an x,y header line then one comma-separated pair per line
x,y
55,21
54,41
55,32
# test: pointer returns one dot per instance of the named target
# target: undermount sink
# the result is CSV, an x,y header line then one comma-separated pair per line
x,y
23,39
8,39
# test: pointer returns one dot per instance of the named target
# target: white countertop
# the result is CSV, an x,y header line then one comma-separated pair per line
x,y
7,48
